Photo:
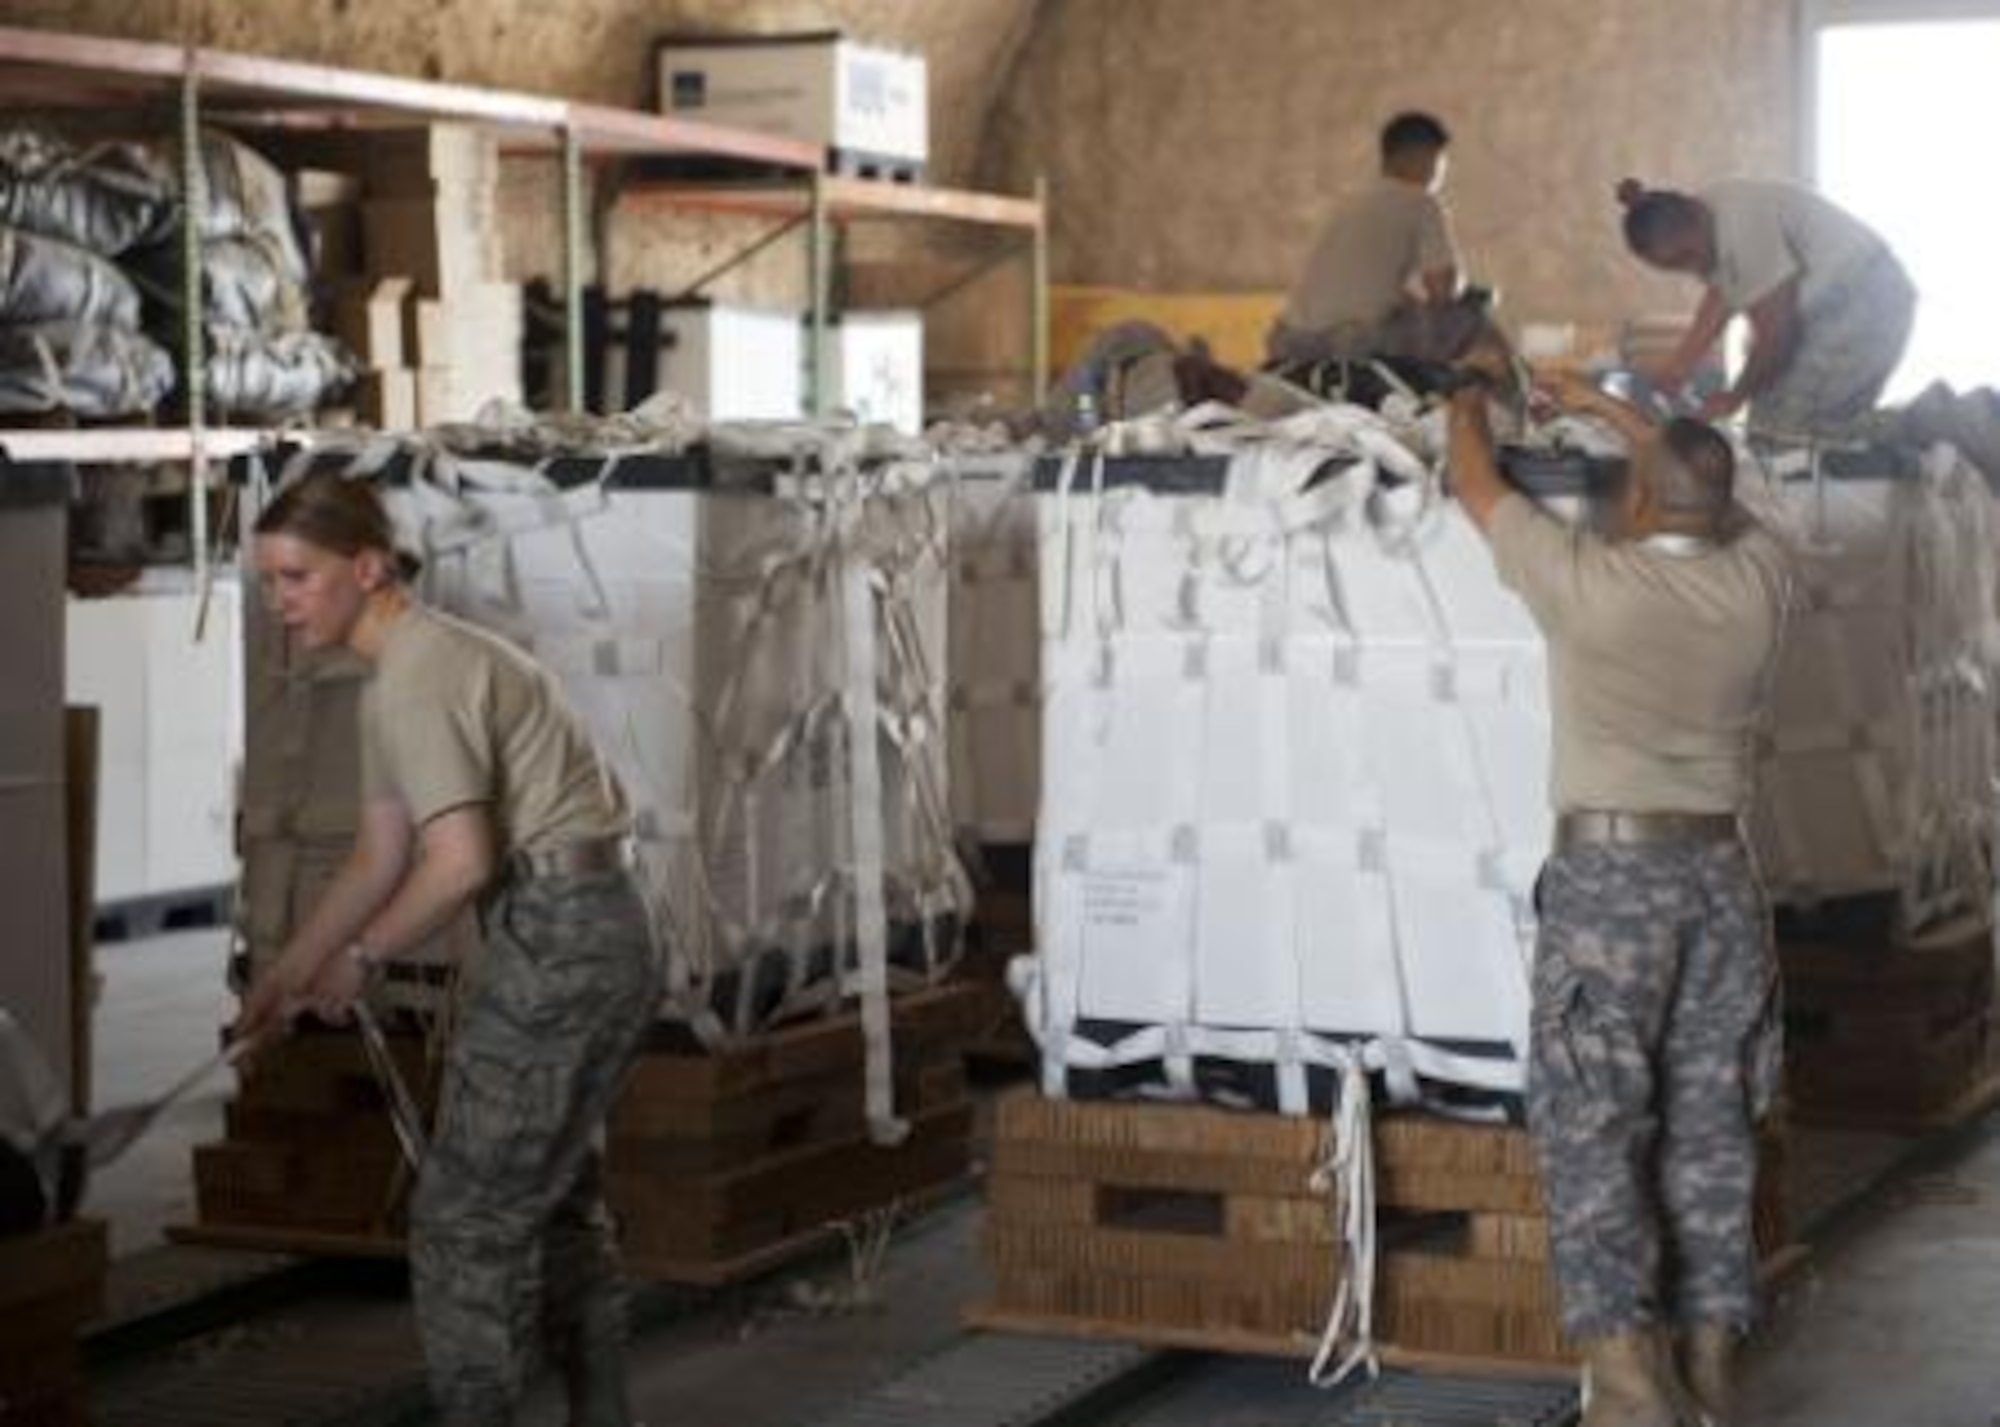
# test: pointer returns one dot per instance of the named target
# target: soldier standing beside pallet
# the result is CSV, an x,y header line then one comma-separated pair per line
x,y
479,789
1655,1035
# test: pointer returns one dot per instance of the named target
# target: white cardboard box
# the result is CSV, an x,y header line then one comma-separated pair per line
x,y
733,363
861,100
878,368
170,736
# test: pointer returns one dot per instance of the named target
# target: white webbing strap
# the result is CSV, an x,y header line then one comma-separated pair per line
x,y
1347,1175
864,809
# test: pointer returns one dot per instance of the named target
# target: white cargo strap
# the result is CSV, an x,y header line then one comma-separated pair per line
x,y
864,807
1347,1177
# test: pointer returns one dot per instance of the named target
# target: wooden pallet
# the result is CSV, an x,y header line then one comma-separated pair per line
x,y
718,1164
1190,1225
51,1285
1887,1035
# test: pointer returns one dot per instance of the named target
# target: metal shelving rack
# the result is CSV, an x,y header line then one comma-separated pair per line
x,y
820,202
43,71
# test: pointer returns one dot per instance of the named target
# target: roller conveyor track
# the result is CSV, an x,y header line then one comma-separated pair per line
x,y
198,1338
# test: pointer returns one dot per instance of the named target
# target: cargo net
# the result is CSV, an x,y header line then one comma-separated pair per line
x,y
1876,774
750,620
1295,752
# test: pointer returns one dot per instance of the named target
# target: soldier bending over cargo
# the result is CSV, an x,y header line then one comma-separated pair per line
x,y
1829,305
479,790
1654,1040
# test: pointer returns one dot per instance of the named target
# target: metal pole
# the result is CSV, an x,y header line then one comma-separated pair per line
x,y
1038,294
818,266
605,194
572,255
194,358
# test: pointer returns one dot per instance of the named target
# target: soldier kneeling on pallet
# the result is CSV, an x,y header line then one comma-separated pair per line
x,y
479,789
1654,1041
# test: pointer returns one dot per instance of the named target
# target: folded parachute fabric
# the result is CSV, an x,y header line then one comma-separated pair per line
x,y
91,370
106,198
255,376
45,280
249,285
246,198
1969,421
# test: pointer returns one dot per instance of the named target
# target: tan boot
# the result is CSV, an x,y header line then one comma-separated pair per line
x,y
1630,1381
1708,1363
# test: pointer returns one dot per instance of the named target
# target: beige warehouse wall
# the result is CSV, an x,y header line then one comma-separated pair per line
x,y
1195,146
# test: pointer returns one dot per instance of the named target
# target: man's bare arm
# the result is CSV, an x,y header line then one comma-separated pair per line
x,y
1475,467
1697,342
1774,340
1579,396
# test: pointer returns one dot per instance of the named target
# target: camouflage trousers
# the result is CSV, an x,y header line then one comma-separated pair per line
x,y
1416,331
1655,1050
511,1244
1849,346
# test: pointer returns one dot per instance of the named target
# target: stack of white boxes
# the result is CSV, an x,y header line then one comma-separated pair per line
x,y
432,219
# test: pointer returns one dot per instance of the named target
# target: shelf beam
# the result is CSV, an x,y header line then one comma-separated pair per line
x,y
848,200
127,445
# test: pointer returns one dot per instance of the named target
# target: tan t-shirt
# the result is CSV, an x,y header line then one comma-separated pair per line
x,y
1769,233
454,715
1658,662
1373,247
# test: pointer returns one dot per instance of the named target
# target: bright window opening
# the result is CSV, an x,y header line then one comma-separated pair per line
x,y
1906,112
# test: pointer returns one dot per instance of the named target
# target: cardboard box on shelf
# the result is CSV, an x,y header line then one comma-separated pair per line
x,y
437,396
387,399
330,203
474,326
444,247
368,317
423,162
861,101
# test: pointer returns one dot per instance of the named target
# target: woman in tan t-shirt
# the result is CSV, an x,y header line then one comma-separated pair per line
x,y
480,792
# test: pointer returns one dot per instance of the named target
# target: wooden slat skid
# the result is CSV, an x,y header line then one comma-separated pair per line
x,y
713,1159
1137,1254
1189,1224
923,1020
1885,1036
1422,1163
681,1228
51,1284
308,1144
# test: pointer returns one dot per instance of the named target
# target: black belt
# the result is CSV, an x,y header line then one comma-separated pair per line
x,y
585,857
1644,829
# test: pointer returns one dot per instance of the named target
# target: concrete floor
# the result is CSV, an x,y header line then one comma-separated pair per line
x,y
1892,1323
160,1005
1895,1323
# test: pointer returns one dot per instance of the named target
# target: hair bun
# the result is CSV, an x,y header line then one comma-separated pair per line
x,y
1630,191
